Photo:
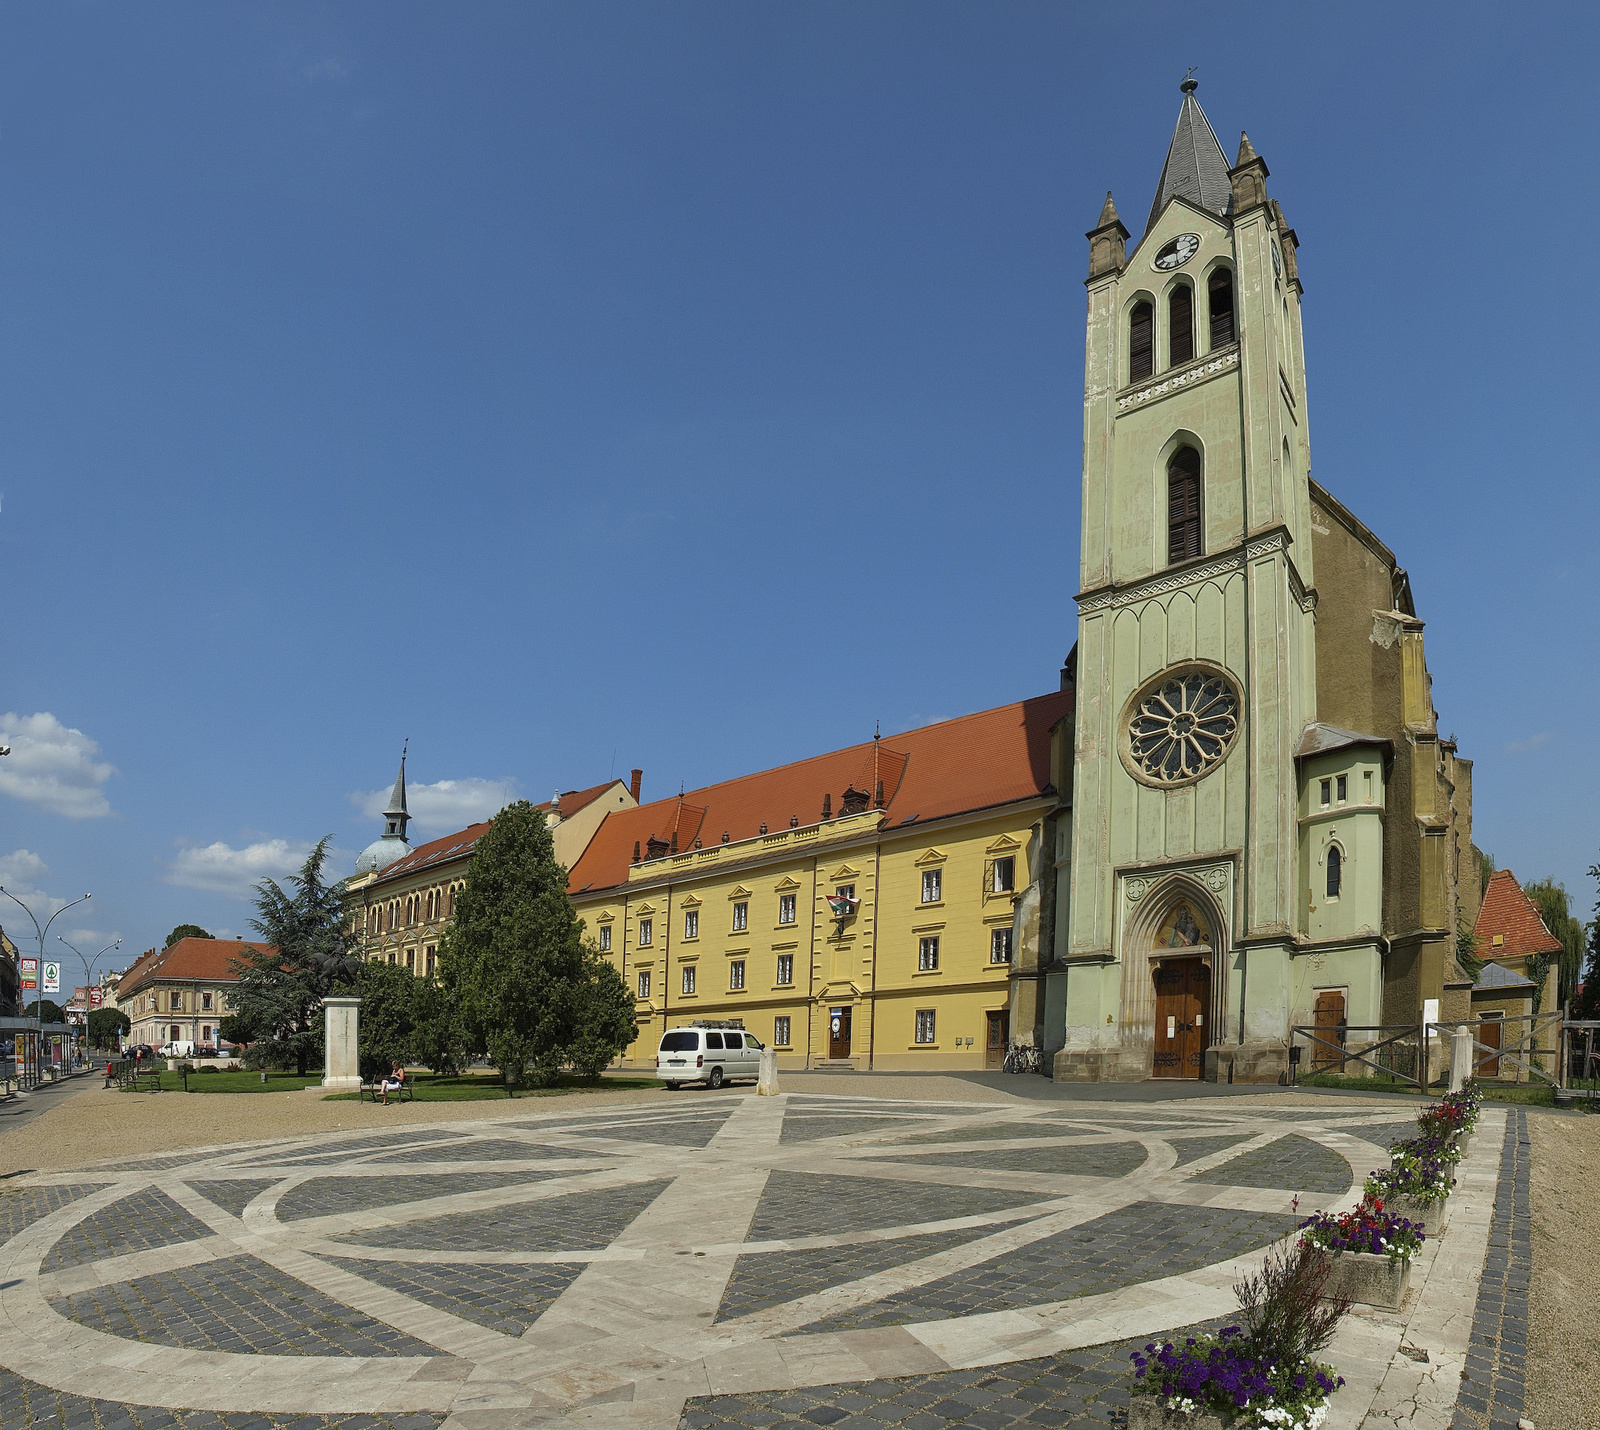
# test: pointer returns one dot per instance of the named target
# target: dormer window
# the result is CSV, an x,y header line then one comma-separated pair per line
x,y
1180,325
1219,295
1141,342
1183,505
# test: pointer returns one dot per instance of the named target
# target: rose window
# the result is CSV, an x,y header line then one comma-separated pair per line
x,y
1183,726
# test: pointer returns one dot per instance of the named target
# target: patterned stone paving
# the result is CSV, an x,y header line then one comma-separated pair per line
x,y
1114,1159
810,1129
344,1149
1192,1149
992,1132
1293,1163
1491,1395
576,1222
488,1149
234,1195
694,1132
25,1405
817,1204
1136,1243
236,1304
22,1206
135,1223
328,1196
504,1298
771,1278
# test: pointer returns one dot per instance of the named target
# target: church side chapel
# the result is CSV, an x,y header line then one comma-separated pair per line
x,y
1267,829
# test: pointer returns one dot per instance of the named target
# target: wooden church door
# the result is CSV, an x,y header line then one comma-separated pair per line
x,y
1183,997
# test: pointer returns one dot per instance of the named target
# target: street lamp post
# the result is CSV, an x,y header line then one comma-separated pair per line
x,y
38,1033
88,978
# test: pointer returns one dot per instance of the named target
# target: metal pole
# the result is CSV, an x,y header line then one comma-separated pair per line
x,y
88,977
38,992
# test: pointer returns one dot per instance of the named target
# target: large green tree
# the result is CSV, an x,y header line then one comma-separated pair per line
x,y
1552,901
105,1024
278,998
436,1039
1586,1002
185,931
386,1023
513,958
605,1020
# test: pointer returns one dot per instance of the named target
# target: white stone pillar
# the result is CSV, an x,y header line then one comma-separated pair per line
x,y
1460,1058
341,1067
768,1086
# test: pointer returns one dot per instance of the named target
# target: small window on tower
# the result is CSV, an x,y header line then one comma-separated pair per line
x,y
1344,788
1180,325
1183,505
1141,342
1327,793
1219,291
1335,871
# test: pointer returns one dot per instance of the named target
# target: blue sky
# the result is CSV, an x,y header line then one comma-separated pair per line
x,y
574,387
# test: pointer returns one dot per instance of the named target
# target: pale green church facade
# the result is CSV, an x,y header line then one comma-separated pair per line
x,y
1234,863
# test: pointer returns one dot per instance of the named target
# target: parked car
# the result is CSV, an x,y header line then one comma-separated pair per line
x,y
709,1054
175,1050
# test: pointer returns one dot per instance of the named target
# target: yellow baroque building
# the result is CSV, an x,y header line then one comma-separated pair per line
x,y
881,906
876,907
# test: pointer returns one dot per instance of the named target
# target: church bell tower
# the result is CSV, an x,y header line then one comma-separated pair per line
x,y
1196,666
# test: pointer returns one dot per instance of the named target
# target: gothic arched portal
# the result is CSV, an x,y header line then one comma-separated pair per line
x,y
1173,975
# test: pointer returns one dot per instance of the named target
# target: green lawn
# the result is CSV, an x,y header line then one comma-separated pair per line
x,y
220,1081
1524,1094
485,1086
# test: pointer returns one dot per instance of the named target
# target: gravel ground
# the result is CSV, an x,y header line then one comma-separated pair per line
x,y
1563,1312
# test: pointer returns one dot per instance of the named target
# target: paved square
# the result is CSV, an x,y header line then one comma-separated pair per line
x,y
815,1261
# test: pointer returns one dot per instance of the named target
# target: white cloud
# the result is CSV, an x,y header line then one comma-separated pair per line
x,y
20,873
445,806
1525,747
221,869
53,766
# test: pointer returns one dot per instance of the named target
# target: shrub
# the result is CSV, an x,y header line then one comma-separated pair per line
x,y
210,1069
1368,1228
1454,1113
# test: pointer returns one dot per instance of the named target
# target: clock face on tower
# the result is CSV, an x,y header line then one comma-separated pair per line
x,y
1178,252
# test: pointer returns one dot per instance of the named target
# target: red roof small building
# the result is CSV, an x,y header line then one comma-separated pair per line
x,y
180,994
1508,923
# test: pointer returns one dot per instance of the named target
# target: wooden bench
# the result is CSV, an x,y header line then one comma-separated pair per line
x,y
404,1093
134,1076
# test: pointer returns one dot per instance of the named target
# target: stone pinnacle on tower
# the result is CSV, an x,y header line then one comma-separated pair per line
x,y
1196,168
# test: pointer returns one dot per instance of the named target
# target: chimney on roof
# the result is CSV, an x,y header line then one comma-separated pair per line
x,y
827,806
634,785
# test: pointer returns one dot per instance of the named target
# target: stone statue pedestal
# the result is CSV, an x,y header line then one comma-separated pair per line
x,y
768,1086
1460,1058
341,1066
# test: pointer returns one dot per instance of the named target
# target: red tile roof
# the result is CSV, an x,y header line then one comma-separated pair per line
x,y
980,761
208,960
1508,911
459,845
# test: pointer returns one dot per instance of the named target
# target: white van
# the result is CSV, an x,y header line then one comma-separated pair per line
x,y
708,1053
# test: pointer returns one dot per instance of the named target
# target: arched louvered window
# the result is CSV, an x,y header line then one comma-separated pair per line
x,y
1180,325
1142,342
1219,294
1183,505
1335,870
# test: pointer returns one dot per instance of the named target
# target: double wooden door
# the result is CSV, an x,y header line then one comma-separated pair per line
x,y
1183,1006
838,1032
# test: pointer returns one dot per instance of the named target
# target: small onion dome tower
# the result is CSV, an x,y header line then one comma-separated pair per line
x,y
391,845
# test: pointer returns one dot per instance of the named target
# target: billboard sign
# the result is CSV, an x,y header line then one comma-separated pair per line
x,y
97,996
52,978
30,974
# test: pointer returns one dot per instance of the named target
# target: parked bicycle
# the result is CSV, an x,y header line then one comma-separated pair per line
x,y
1021,1058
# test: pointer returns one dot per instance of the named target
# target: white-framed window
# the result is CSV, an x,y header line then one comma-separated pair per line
x,y
845,891
932,885
1327,793
785,968
691,923
780,1032
926,1025
646,929
1000,945
688,978
741,916
1005,875
644,984
205,1002
736,974
928,954
605,938
432,955
785,908
177,1002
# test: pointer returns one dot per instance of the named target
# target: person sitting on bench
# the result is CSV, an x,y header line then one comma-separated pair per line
x,y
393,1083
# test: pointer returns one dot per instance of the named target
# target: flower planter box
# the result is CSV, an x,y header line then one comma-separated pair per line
x,y
1430,1216
1464,1144
1148,1412
1370,1279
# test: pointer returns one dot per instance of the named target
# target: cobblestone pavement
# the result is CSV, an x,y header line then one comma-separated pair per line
x,y
816,1259
1492,1386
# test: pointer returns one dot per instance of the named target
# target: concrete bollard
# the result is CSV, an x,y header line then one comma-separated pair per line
x,y
768,1086
1460,1058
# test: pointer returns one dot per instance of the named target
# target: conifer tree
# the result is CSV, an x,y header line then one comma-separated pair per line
x,y
513,957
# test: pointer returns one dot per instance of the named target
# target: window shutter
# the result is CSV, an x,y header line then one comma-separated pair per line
x,y
1141,342
1219,290
1183,505
1180,326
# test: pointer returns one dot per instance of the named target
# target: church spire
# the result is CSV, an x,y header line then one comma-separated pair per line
x,y
395,814
1196,168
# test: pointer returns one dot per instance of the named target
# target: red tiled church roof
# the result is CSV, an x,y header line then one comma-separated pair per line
x,y
1508,911
208,960
980,761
